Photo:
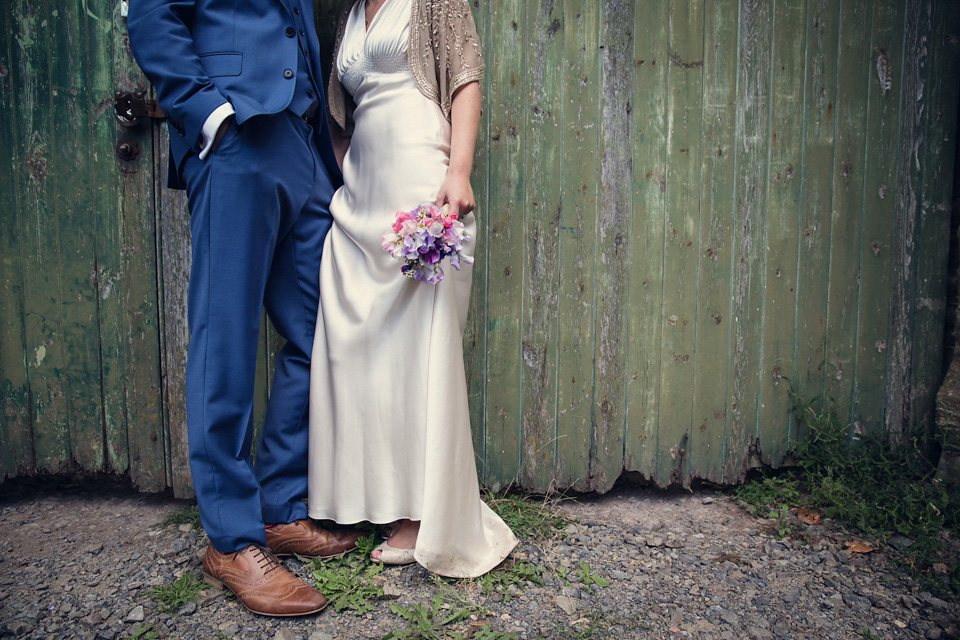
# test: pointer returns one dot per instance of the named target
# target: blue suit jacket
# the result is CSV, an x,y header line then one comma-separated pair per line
x,y
202,53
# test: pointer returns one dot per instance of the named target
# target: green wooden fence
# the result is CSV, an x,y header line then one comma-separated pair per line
x,y
688,209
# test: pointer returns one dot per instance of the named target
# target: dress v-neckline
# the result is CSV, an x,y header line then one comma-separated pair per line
x,y
367,26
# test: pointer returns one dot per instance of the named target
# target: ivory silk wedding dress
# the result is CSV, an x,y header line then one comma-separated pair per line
x,y
389,423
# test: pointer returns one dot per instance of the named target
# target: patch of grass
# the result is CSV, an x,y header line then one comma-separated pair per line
x,y
347,580
142,632
171,597
582,574
768,493
428,622
528,518
865,484
510,573
869,485
188,515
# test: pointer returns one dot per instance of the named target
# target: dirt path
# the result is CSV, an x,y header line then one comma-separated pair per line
x,y
79,558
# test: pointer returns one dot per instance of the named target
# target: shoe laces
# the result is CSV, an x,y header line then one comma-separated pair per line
x,y
265,558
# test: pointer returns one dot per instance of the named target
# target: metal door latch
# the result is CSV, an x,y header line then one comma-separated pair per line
x,y
128,150
131,107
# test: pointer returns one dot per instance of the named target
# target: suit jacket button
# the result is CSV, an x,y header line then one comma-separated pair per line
x,y
291,32
288,73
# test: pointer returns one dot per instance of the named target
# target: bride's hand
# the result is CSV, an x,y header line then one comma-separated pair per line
x,y
457,192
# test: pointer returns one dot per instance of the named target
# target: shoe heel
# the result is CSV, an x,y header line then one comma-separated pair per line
x,y
213,582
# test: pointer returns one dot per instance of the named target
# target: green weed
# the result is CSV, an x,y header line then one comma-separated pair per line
x,y
864,484
188,515
528,518
582,574
587,577
171,597
427,622
511,573
347,580
767,494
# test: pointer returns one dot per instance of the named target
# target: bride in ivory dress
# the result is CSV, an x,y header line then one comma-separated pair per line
x,y
390,437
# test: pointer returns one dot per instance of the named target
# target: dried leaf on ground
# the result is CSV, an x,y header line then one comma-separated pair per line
x,y
809,516
857,547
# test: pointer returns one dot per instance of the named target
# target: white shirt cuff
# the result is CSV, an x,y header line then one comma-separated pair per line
x,y
212,124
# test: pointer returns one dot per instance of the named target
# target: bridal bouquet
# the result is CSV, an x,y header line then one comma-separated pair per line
x,y
422,238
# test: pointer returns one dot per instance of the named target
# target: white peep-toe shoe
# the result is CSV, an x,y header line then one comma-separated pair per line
x,y
394,556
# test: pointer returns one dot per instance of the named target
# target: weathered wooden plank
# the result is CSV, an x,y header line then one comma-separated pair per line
x,y
613,243
174,230
508,91
774,419
680,238
475,331
578,241
138,290
848,178
880,168
45,349
937,160
749,237
105,183
648,126
816,175
76,221
543,210
16,447
898,420
705,451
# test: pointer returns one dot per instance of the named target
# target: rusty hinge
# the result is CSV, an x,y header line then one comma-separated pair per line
x,y
131,107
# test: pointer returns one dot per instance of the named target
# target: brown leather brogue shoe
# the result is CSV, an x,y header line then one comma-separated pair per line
x,y
261,583
307,538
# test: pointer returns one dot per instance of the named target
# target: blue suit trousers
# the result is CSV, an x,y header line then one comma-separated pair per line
x,y
258,216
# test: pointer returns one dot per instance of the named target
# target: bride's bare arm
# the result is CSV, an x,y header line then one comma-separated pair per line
x,y
465,121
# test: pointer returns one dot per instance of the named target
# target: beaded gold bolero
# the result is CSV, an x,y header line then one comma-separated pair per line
x,y
443,54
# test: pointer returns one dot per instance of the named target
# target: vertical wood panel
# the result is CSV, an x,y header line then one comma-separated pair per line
x,y
848,179
174,229
613,243
39,237
137,288
721,22
543,209
820,88
940,127
648,125
16,448
880,165
749,235
899,411
75,215
475,331
682,220
774,428
102,167
508,88
577,242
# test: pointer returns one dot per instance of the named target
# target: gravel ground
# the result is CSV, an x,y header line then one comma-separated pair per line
x,y
79,558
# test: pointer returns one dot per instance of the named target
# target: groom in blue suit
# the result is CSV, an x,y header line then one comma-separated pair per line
x,y
241,86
